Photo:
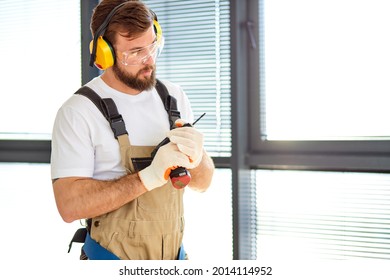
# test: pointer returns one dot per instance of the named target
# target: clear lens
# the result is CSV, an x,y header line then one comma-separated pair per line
x,y
142,55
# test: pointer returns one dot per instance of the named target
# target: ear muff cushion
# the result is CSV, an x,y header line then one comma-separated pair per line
x,y
105,55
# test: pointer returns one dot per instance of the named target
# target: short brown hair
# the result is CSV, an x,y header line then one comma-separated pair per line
x,y
132,19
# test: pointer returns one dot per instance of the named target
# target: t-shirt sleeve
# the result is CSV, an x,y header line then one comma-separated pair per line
x,y
72,151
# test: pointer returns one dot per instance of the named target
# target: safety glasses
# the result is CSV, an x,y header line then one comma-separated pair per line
x,y
140,56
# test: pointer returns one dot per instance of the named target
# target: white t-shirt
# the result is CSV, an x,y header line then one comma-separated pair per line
x,y
83,144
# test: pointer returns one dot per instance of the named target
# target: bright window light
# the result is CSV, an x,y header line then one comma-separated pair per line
x,y
326,72
41,59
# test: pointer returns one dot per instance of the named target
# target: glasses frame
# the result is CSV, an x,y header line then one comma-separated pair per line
x,y
153,50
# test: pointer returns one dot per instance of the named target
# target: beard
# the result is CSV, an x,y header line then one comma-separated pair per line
x,y
134,81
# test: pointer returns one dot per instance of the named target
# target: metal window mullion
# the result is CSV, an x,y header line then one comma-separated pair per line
x,y
87,72
244,243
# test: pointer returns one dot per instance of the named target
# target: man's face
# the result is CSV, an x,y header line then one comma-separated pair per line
x,y
135,61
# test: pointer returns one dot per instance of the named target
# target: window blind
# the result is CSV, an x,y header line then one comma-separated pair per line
x,y
196,56
324,215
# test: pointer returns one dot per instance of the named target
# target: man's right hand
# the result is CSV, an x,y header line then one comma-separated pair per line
x,y
168,157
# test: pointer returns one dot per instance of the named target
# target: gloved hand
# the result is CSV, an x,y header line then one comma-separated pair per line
x,y
168,157
189,141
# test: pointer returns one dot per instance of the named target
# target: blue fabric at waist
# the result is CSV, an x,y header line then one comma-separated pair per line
x,y
95,251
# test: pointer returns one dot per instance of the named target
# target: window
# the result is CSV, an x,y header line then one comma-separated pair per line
x,y
325,70
41,64
322,69
196,55
50,236
322,215
208,233
244,63
322,76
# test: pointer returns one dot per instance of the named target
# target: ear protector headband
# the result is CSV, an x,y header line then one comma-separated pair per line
x,y
102,52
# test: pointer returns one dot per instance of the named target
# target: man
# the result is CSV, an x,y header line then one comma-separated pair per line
x,y
133,213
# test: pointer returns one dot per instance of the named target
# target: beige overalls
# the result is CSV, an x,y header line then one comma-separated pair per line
x,y
148,228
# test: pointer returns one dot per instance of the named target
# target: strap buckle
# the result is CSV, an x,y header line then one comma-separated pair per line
x,y
118,126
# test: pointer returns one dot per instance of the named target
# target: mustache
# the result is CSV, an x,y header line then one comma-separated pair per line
x,y
148,67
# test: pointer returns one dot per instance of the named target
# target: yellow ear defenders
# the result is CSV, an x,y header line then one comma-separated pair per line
x,y
102,53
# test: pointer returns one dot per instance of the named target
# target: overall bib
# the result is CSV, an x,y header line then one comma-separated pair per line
x,y
151,226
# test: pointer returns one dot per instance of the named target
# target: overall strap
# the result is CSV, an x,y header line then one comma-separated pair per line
x,y
109,110
170,103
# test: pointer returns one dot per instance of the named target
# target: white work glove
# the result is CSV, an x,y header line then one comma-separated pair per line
x,y
189,141
168,157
